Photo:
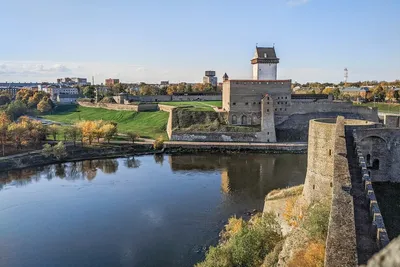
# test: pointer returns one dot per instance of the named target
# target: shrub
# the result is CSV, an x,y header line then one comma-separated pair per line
x,y
158,143
317,220
58,151
246,244
311,256
272,258
132,136
47,150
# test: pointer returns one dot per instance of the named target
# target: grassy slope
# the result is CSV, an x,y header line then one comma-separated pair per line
x,y
196,105
384,107
146,124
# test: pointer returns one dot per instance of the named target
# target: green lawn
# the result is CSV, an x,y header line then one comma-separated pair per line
x,y
146,124
384,107
195,105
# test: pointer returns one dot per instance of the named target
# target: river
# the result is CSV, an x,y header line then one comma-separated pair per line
x,y
142,211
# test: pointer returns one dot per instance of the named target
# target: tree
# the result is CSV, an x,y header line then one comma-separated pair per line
x,y
396,95
45,105
336,93
109,131
89,91
158,143
4,99
132,136
328,91
88,129
72,133
47,150
24,95
53,130
98,130
379,93
59,150
4,122
16,109
18,133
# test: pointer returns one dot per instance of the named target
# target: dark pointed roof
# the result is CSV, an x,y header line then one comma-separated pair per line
x,y
265,55
225,76
265,52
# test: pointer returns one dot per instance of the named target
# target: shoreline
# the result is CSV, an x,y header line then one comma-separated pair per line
x,y
78,153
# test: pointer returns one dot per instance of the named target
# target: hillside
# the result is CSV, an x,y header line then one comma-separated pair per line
x,y
146,124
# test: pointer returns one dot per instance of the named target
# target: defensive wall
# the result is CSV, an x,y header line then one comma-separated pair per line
x,y
294,125
328,181
179,97
112,106
381,150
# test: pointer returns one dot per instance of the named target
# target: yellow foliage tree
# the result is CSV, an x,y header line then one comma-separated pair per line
x,y
4,122
109,131
88,129
311,256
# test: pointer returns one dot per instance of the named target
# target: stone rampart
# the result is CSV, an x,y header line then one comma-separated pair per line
x,y
391,120
217,136
379,229
168,98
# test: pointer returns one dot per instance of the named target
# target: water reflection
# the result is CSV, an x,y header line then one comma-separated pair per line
x,y
80,170
256,172
153,210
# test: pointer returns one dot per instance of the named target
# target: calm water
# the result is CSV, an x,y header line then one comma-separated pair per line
x,y
142,211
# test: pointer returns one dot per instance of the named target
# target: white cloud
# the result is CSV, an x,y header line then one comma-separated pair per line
x,y
293,3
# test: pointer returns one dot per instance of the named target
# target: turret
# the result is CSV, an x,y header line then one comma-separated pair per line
x,y
265,64
225,77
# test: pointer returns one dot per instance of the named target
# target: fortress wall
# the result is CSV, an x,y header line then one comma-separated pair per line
x,y
168,98
379,229
341,249
318,182
294,127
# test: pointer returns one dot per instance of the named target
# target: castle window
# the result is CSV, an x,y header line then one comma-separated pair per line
x,y
244,120
267,98
276,109
280,109
285,109
259,103
265,54
375,164
254,103
267,140
330,152
267,103
267,110
286,103
278,98
234,119
313,187
267,133
285,97
247,103
234,104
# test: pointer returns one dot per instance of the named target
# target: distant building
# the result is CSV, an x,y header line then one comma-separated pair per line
x,y
67,99
164,83
210,78
10,90
56,91
111,82
73,81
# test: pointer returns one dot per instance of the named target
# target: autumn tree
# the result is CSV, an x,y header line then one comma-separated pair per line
x,y
109,131
4,122
17,132
379,93
53,130
24,95
132,136
98,130
45,105
88,130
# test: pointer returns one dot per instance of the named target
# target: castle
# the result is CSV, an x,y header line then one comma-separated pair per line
x,y
269,102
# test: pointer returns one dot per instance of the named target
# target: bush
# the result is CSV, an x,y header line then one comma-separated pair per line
x,y
158,143
312,255
246,244
317,220
132,136
272,258
47,150
58,151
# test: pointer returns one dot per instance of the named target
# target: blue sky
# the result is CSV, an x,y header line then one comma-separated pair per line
x,y
178,40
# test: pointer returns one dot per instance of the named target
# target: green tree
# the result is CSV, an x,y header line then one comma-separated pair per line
x,y
336,93
72,133
53,130
4,99
59,150
89,91
16,109
396,95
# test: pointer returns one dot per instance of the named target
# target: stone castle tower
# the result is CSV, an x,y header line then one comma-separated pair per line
x,y
265,64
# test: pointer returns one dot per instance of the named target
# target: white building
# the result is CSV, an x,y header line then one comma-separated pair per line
x,y
265,64
67,99
55,91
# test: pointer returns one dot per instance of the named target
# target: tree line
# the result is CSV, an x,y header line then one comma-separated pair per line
x,y
28,132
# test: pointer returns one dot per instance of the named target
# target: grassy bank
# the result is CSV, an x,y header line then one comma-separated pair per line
x,y
384,107
146,124
195,105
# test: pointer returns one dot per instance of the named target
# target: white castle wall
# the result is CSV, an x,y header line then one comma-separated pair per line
x,y
265,71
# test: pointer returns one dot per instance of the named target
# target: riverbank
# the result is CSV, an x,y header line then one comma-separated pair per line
x,y
78,153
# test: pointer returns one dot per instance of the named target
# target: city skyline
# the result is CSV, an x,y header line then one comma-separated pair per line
x,y
135,41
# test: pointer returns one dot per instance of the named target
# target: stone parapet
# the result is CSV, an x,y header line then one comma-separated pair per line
x,y
378,225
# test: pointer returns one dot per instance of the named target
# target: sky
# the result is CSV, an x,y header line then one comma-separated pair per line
x,y
177,40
